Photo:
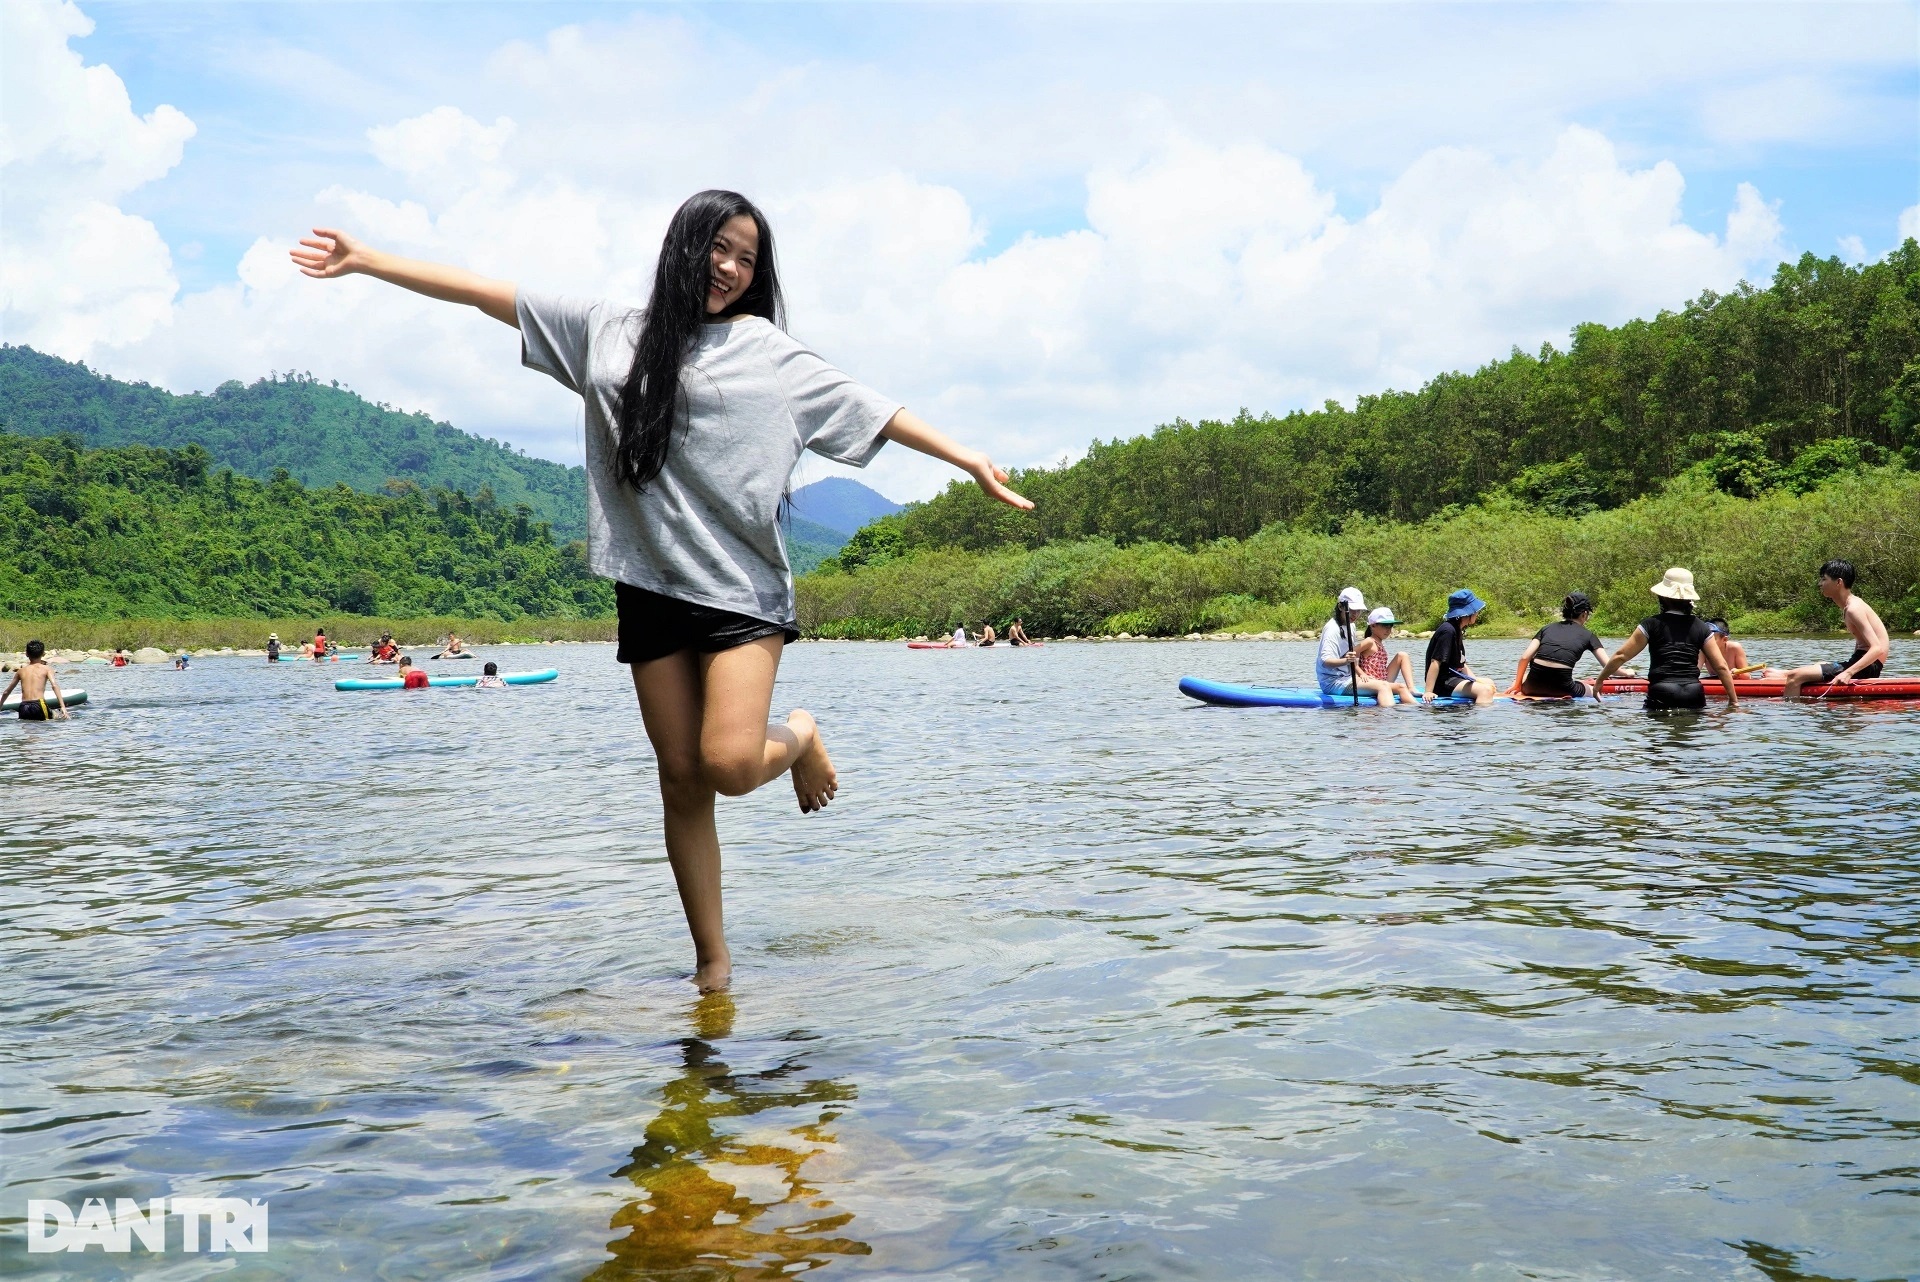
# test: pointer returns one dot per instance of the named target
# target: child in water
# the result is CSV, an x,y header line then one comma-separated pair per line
x,y
490,678
33,678
697,409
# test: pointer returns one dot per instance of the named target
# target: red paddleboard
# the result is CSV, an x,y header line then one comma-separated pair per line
x,y
1762,688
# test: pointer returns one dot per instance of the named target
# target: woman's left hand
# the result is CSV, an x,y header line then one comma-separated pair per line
x,y
993,479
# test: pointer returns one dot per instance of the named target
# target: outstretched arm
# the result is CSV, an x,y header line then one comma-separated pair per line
x,y
915,433
329,253
1631,646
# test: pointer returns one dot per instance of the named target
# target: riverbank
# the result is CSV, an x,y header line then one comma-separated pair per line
x,y
349,630
1755,559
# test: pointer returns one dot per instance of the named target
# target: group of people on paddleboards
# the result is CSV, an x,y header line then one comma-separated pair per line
x,y
1354,658
1016,635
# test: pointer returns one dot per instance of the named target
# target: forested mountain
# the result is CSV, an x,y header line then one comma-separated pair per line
x,y
321,433
841,504
138,531
1817,372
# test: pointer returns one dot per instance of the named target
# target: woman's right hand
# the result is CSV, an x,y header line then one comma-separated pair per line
x,y
329,253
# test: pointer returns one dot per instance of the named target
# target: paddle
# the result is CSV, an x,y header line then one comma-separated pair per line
x,y
1344,613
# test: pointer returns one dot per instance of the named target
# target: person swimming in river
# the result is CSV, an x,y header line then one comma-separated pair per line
x,y
490,678
1383,674
1547,664
1676,637
1871,643
1448,675
273,647
697,409
412,678
33,679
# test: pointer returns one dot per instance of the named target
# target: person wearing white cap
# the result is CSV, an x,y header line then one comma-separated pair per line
x,y
1677,637
1336,663
1384,675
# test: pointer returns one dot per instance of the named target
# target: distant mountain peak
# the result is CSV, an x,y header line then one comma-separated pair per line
x,y
841,503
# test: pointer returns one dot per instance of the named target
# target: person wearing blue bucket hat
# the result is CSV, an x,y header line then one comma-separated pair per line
x,y
1448,675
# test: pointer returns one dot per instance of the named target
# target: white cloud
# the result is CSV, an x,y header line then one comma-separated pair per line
x,y
76,272
1853,249
1909,228
1213,270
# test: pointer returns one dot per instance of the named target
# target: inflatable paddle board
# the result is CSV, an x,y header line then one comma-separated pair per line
x,y
1228,694
395,683
1775,688
74,699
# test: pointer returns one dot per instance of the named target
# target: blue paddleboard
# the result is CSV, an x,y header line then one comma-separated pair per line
x,y
1230,694
395,683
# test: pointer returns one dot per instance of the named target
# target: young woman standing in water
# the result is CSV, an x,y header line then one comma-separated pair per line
x,y
697,409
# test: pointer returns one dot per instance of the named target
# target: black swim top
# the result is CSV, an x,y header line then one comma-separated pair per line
x,y
1675,642
1447,648
1563,643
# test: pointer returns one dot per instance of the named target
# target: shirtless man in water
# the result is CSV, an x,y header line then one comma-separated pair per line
x,y
1870,644
33,679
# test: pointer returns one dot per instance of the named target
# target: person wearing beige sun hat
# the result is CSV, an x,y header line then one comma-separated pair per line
x,y
1677,638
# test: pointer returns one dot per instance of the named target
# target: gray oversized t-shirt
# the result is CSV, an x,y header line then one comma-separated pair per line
x,y
707,529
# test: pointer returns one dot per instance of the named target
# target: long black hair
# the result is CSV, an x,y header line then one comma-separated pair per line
x,y
675,312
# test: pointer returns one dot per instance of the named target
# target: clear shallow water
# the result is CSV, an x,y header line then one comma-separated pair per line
x,y
1077,979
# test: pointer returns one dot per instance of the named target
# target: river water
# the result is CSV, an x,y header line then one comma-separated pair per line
x,y
1077,979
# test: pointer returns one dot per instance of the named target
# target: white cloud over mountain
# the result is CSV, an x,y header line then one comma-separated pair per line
x,y
1212,270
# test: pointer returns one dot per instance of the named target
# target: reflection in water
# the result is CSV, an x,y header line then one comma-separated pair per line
x,y
719,1204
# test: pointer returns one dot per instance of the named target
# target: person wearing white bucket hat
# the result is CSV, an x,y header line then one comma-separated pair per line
x,y
1335,665
1677,638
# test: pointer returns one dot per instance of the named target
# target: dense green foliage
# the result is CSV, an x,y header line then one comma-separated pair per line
x,y
1817,373
1756,560
320,433
137,531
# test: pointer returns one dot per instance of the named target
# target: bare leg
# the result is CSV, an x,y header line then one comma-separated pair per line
x,y
1799,677
706,716
1483,691
1382,691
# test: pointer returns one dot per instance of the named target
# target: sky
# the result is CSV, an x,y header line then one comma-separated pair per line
x,y
1036,225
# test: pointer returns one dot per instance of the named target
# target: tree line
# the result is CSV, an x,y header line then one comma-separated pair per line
x,y
1761,389
137,531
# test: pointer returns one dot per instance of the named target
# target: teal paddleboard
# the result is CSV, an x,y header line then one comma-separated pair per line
x,y
395,683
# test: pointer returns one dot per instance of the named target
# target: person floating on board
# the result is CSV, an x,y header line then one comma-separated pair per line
x,y
986,634
1384,675
1336,662
1676,637
490,678
1870,642
1547,664
1447,672
33,678
1017,634
959,638
385,650
451,648
273,647
412,678
697,410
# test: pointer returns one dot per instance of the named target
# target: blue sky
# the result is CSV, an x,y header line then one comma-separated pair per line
x,y
1042,223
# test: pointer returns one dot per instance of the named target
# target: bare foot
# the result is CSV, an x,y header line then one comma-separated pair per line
x,y
814,780
714,975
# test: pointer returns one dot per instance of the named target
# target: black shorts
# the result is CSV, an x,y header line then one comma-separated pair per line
x,y
35,710
1545,682
1676,694
653,626
1828,671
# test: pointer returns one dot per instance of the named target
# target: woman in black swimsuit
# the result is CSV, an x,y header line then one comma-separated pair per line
x,y
1547,664
1676,637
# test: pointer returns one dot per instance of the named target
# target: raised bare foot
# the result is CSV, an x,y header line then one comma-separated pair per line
x,y
814,780
712,976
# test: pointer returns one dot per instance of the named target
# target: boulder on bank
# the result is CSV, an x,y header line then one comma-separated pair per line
x,y
151,654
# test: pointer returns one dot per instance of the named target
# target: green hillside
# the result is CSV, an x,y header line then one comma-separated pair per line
x,y
133,531
321,433
1816,373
